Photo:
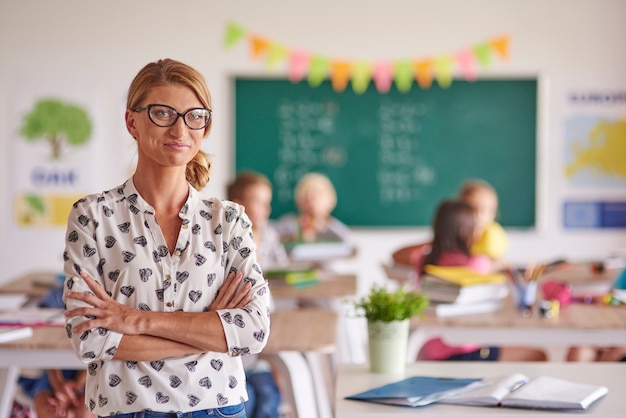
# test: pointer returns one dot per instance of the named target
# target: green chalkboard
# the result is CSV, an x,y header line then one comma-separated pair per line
x,y
393,156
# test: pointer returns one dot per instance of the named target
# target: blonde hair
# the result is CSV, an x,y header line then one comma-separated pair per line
x,y
166,72
472,186
315,180
244,181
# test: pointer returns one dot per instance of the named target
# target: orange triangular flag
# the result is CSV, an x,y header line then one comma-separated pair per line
x,y
501,46
258,46
423,71
339,74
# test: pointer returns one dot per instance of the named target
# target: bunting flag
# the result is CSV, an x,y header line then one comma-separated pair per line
x,y
359,74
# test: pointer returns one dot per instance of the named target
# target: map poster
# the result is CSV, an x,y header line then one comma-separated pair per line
x,y
592,153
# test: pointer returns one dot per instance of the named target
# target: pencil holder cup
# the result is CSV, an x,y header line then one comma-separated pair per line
x,y
526,294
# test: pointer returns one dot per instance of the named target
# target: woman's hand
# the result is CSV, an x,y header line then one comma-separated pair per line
x,y
228,297
104,312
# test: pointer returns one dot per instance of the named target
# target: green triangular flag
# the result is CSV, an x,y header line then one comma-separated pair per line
x,y
234,33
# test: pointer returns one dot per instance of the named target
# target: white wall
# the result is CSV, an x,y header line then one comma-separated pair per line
x,y
105,43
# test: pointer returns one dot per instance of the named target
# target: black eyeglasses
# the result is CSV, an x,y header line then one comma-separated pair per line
x,y
164,116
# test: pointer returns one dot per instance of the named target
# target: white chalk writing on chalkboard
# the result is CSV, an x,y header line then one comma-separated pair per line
x,y
401,171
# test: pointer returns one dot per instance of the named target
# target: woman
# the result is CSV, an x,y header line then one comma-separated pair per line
x,y
163,290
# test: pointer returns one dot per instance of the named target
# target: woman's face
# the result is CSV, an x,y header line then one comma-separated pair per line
x,y
172,146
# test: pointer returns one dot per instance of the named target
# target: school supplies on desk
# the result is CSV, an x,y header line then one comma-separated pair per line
x,y
318,250
462,276
414,391
11,334
444,310
518,391
33,317
442,291
12,301
297,276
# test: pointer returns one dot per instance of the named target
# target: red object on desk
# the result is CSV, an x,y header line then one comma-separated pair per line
x,y
554,290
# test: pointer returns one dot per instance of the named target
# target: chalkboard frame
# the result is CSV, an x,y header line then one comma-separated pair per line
x,y
529,197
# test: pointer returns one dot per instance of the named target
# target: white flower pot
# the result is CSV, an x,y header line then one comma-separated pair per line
x,y
387,346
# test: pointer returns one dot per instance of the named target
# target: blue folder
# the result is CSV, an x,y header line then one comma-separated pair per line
x,y
413,391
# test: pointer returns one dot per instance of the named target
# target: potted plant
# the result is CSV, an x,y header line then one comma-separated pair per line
x,y
388,314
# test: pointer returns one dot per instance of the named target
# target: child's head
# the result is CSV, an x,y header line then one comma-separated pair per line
x,y
454,229
254,192
315,195
483,198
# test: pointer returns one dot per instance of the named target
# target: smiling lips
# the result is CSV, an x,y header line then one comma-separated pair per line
x,y
177,146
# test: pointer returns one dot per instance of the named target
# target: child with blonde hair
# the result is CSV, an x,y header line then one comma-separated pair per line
x,y
492,240
315,199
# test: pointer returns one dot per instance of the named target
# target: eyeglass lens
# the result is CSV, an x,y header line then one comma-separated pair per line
x,y
162,115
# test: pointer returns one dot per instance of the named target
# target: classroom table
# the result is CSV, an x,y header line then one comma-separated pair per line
x,y
34,284
576,324
356,378
330,286
305,358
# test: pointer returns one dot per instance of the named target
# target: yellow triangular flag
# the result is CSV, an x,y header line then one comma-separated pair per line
x,y
361,76
276,53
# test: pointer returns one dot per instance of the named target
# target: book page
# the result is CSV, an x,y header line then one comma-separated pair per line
x,y
551,393
487,392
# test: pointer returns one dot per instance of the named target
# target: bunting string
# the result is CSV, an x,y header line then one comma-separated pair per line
x,y
403,72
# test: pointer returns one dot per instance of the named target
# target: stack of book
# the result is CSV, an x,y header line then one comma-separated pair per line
x,y
460,291
296,276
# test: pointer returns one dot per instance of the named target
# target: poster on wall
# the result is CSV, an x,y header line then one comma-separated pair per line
x,y
592,156
55,148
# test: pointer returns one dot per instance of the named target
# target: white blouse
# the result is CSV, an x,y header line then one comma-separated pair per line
x,y
115,238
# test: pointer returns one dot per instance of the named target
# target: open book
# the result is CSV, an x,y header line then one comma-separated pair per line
x,y
517,391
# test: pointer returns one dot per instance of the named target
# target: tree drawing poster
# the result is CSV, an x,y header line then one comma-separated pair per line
x,y
56,148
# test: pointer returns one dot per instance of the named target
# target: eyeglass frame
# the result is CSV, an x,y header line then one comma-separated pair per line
x,y
178,115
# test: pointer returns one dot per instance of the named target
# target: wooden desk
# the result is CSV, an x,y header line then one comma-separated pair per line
x,y
298,338
330,286
577,324
353,379
35,285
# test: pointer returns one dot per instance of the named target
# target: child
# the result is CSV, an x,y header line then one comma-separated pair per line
x,y
254,191
455,229
315,199
57,393
492,240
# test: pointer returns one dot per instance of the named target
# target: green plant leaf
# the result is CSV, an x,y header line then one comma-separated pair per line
x,y
383,305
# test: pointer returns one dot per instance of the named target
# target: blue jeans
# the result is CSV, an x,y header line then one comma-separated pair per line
x,y
263,395
234,411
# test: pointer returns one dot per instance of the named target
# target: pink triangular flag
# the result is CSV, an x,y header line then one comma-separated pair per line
x,y
383,76
465,60
298,65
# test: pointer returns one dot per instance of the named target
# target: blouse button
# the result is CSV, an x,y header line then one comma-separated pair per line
x,y
185,226
168,277
169,304
177,253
